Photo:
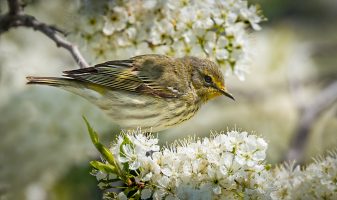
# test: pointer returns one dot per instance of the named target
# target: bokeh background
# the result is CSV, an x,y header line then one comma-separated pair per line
x,y
44,146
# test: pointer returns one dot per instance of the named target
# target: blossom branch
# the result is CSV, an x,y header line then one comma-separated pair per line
x,y
16,18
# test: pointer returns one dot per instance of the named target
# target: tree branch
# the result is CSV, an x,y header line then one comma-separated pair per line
x,y
310,114
16,18
14,7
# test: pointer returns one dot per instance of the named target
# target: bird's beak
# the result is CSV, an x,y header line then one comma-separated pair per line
x,y
227,94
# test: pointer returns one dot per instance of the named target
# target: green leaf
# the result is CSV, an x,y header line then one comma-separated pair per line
x,y
105,152
103,167
93,134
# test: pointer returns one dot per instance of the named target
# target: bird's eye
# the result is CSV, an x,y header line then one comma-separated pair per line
x,y
208,79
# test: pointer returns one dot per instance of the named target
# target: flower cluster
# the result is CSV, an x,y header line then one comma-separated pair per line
x,y
213,29
316,181
224,166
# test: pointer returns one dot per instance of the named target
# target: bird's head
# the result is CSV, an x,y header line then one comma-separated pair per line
x,y
207,79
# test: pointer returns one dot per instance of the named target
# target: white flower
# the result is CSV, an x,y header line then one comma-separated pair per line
x,y
143,143
216,45
215,177
147,177
150,167
100,175
189,192
130,156
160,33
251,15
159,194
202,19
91,24
146,193
164,187
122,196
115,21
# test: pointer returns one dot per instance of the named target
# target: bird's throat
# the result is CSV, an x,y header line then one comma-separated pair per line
x,y
210,95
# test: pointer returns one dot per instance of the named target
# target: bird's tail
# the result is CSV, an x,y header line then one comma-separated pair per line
x,y
52,81
87,90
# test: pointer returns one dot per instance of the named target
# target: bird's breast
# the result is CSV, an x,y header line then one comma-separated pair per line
x,y
131,110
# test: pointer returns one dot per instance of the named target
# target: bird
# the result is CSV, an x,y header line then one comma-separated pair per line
x,y
152,92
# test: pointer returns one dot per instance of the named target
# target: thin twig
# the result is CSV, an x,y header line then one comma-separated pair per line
x,y
310,114
16,18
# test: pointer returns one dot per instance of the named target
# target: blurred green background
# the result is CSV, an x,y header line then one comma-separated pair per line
x,y
45,149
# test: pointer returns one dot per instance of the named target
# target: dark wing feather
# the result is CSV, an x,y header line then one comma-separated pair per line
x,y
121,75
113,74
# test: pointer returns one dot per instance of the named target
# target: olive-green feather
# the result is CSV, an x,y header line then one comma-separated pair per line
x,y
138,74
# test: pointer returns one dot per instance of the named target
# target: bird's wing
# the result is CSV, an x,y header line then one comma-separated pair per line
x,y
121,75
